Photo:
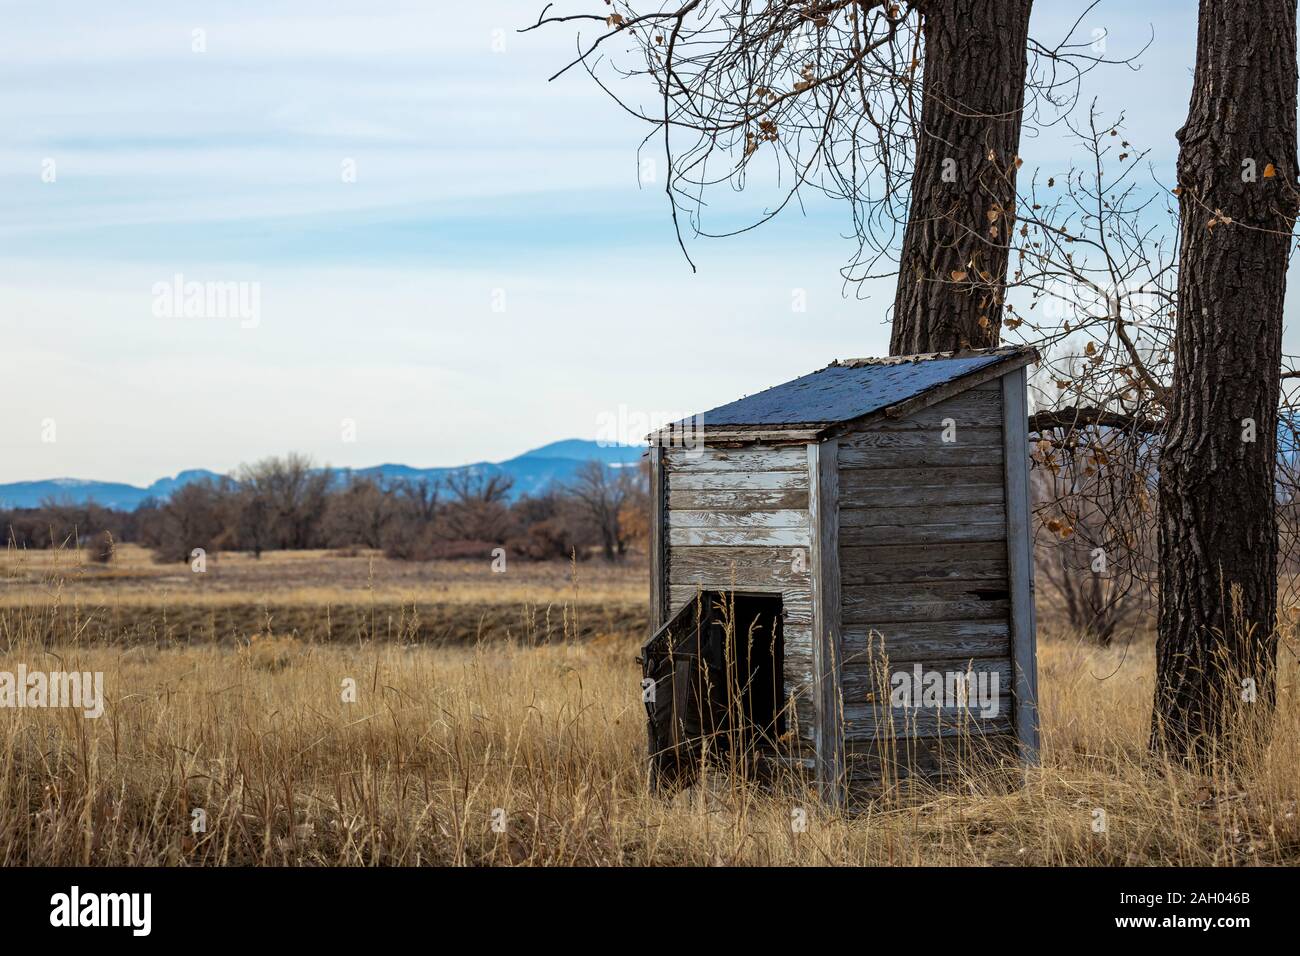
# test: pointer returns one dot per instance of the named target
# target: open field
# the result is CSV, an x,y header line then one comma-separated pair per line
x,y
317,596
543,728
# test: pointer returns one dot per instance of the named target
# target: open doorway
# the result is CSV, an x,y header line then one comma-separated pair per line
x,y
716,679
744,646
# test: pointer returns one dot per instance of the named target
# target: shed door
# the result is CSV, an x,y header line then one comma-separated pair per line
x,y
713,674
675,689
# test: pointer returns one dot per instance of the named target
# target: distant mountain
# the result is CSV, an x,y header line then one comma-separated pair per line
x,y
575,449
533,472
29,494
163,487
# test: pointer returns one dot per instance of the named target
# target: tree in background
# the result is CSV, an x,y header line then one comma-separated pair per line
x,y
635,517
292,491
908,112
478,509
197,515
252,514
465,514
547,526
358,514
602,495
960,221
1218,532
58,523
411,533
1093,551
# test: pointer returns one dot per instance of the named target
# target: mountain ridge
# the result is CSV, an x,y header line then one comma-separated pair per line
x,y
533,471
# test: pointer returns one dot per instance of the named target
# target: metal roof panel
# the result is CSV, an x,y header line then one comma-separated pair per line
x,y
847,390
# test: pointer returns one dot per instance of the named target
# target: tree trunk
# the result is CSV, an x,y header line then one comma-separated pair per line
x,y
953,265
1218,535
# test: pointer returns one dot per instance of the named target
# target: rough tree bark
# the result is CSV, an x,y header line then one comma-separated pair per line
x,y
1218,537
953,265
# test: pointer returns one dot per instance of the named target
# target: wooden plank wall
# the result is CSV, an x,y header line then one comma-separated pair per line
x,y
823,519
1020,553
924,576
738,520
658,504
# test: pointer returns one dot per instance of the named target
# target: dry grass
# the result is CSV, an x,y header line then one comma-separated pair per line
x,y
58,597
258,736
304,577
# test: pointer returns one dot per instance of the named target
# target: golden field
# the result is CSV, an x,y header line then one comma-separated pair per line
x,y
514,698
317,596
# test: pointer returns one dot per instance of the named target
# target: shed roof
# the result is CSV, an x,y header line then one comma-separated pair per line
x,y
852,389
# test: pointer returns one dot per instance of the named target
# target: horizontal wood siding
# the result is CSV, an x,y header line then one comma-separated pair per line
x,y
864,481
927,640
870,710
932,455
924,573
869,762
867,681
729,499
745,461
695,480
909,563
857,442
741,568
745,520
979,407
722,537
737,519
866,725
949,601
797,601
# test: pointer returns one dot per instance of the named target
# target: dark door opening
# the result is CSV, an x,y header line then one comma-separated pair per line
x,y
745,647
715,678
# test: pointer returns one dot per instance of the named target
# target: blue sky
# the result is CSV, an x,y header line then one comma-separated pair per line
x,y
492,280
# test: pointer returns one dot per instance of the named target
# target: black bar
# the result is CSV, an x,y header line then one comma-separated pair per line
x,y
634,907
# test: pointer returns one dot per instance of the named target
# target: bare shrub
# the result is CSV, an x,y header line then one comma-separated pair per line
x,y
100,548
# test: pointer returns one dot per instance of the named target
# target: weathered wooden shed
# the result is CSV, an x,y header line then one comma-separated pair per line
x,y
865,530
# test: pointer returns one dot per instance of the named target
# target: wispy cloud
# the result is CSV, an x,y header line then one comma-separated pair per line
x,y
474,182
